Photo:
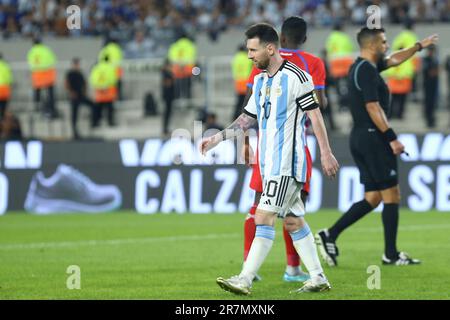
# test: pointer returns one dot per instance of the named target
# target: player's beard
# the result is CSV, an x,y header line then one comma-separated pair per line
x,y
262,64
381,56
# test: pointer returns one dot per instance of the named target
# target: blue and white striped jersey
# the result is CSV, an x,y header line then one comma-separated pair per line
x,y
279,103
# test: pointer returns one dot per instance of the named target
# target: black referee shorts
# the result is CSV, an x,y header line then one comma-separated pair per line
x,y
374,158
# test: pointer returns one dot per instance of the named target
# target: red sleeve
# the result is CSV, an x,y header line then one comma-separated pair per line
x,y
255,72
319,74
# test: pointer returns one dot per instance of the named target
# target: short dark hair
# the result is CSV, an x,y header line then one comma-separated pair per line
x,y
264,31
294,29
366,34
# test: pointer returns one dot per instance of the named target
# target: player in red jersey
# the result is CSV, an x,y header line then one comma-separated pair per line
x,y
293,35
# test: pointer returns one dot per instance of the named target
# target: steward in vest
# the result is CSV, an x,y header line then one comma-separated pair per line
x,y
399,81
182,56
42,63
6,79
406,39
114,52
103,79
241,68
339,48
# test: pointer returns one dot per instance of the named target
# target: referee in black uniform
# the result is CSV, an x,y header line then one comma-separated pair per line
x,y
373,144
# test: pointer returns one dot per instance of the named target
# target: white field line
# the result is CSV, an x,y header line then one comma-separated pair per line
x,y
68,244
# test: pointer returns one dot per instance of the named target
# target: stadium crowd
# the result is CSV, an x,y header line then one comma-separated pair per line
x,y
161,20
167,29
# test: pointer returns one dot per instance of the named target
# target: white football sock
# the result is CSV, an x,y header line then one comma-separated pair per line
x,y
293,271
261,245
306,248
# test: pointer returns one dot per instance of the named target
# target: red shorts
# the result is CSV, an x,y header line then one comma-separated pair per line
x,y
256,181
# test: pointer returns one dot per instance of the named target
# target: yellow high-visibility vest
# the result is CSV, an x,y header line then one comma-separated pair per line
x,y
103,75
40,57
402,71
404,39
114,53
6,76
183,51
241,68
339,44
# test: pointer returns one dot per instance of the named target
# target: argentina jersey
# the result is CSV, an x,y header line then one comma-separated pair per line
x,y
279,104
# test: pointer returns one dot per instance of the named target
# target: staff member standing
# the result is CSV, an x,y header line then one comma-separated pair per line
x,y
430,85
42,62
405,39
115,55
76,87
400,80
241,67
6,79
168,93
339,47
183,56
373,144
103,79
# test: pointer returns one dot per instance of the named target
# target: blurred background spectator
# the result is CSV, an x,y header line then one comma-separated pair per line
x,y
121,19
430,84
10,127
198,37
77,91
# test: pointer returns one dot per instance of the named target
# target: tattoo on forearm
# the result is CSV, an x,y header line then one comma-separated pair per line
x,y
238,127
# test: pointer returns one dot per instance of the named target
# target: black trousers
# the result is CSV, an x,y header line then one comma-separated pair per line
x,y
119,89
328,112
75,104
49,107
167,114
398,105
98,110
3,106
183,88
342,92
430,104
238,107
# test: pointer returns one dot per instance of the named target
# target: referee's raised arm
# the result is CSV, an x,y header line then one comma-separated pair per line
x,y
401,56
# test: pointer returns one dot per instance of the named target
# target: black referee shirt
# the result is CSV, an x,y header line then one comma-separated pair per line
x,y
366,85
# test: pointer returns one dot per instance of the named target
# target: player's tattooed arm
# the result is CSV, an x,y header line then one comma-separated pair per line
x,y
238,127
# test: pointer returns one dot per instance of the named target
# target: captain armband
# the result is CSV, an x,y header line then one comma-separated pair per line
x,y
308,101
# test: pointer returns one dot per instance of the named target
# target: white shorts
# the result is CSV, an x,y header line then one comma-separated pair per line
x,y
282,195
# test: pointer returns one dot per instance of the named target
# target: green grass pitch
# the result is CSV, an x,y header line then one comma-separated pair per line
x,y
125,255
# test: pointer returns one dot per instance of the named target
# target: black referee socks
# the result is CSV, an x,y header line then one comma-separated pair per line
x,y
390,224
356,212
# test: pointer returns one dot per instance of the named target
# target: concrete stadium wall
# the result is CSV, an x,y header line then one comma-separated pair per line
x,y
86,48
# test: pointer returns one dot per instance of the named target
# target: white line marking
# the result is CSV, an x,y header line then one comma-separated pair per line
x,y
68,244
65,244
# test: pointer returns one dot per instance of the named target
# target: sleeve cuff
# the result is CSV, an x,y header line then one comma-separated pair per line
x,y
250,114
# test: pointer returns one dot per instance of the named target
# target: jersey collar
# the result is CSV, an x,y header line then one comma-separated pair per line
x,y
279,69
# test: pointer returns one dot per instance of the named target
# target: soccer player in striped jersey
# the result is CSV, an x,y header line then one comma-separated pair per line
x,y
282,99
293,35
